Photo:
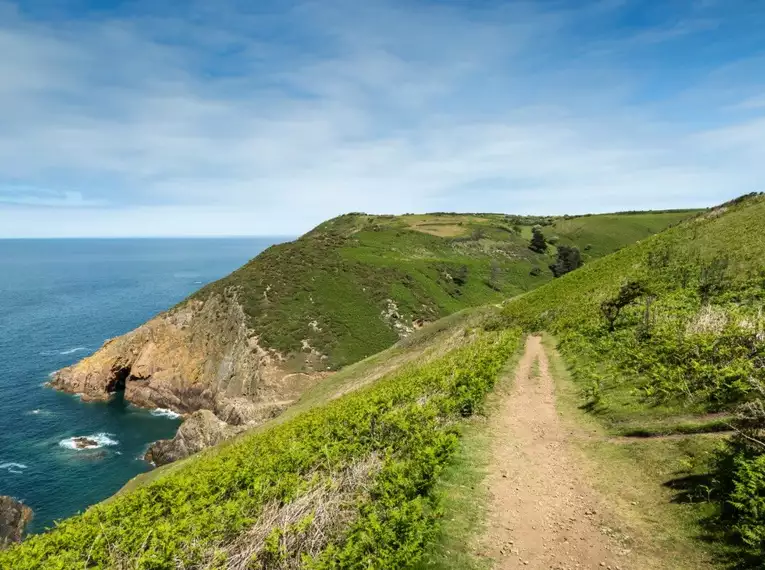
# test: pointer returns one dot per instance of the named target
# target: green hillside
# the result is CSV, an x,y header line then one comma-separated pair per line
x,y
347,477
331,287
346,484
668,336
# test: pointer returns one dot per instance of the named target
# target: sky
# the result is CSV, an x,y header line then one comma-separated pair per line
x,y
234,117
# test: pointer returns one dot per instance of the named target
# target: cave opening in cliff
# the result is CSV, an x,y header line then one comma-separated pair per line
x,y
118,380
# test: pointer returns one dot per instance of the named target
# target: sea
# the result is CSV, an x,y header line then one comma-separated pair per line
x,y
59,301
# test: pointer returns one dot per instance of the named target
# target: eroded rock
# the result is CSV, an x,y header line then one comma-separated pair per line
x,y
200,430
14,517
192,357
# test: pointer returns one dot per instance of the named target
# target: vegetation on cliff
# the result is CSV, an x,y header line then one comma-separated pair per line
x,y
355,284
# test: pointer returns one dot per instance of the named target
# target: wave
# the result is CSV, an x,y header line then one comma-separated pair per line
x,y
15,468
63,352
99,440
165,413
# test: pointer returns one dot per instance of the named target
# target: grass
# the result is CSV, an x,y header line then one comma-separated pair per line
x,y
643,482
355,284
633,378
465,497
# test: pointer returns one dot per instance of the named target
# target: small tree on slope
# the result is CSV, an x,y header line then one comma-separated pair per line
x,y
569,258
537,243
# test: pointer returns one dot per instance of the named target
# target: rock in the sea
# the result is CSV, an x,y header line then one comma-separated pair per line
x,y
14,517
200,430
84,442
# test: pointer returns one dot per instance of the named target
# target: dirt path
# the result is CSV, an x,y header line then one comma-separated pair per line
x,y
542,514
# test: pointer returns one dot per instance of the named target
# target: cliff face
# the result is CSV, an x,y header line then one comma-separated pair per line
x,y
200,430
14,517
199,355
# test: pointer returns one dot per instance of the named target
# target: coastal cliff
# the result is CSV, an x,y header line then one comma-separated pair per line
x,y
14,517
247,346
200,355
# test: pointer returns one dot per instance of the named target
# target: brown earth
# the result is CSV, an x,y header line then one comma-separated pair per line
x,y
542,512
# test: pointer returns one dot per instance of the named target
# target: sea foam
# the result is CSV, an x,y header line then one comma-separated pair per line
x,y
63,352
101,439
165,413
16,468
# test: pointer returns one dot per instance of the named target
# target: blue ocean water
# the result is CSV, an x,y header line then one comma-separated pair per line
x,y
59,301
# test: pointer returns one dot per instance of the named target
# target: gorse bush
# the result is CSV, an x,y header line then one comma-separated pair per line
x,y
347,485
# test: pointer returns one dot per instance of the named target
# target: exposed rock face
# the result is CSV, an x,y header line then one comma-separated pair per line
x,y
200,430
200,355
14,517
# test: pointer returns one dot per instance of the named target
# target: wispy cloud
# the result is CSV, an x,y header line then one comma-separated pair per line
x,y
269,117
24,196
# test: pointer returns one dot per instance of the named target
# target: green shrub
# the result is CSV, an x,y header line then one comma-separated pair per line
x,y
568,259
748,503
538,244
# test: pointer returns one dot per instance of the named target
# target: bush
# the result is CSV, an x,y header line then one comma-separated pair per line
x,y
569,258
537,243
612,308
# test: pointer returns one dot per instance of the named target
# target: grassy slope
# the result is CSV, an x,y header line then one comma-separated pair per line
x,y
406,424
679,364
632,474
570,307
348,483
331,286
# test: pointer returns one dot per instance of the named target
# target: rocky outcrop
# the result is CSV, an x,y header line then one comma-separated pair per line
x,y
200,430
204,429
14,517
198,356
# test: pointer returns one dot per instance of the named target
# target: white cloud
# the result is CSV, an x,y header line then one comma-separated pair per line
x,y
140,125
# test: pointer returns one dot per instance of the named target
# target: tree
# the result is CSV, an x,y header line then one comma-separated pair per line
x,y
628,294
569,258
537,243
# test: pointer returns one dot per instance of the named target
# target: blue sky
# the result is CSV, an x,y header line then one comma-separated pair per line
x,y
233,117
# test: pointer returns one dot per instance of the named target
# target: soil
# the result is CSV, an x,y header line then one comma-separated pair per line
x,y
542,514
